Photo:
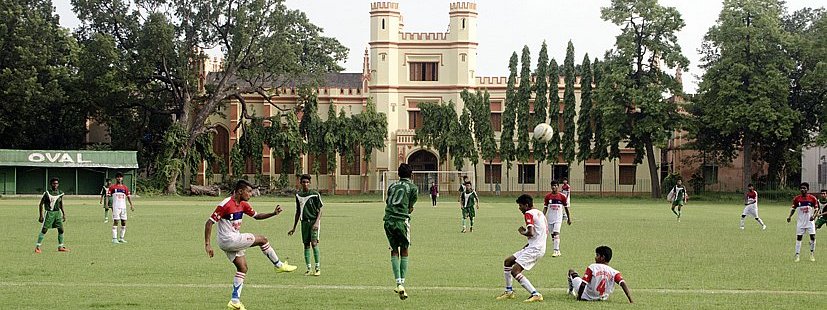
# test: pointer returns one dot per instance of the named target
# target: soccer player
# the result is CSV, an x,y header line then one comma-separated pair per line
x,y
751,207
679,197
599,280
120,194
228,214
805,204
565,189
434,193
309,209
52,201
822,201
399,205
468,200
536,231
554,205
106,201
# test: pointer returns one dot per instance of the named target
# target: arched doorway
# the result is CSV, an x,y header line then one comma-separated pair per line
x,y
221,148
423,160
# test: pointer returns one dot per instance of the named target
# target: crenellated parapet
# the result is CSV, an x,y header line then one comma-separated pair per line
x,y
463,7
384,6
424,36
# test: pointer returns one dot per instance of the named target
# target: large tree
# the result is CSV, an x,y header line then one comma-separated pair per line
x,y
507,152
524,120
155,48
39,103
553,146
599,151
569,107
480,107
634,85
373,133
585,121
743,94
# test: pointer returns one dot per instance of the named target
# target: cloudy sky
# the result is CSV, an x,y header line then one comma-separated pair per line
x,y
504,27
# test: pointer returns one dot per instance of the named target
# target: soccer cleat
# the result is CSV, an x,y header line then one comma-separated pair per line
x,y
471,229
763,227
37,250
285,267
742,227
556,253
506,295
401,291
115,241
62,249
308,272
797,258
233,306
812,257
463,229
122,240
317,273
534,298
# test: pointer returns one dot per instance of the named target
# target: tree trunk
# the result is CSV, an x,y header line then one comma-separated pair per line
x,y
747,169
508,176
521,173
491,176
653,169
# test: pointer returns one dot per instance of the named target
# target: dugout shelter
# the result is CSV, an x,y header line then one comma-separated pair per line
x,y
24,172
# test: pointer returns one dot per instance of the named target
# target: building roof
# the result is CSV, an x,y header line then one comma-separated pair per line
x,y
331,80
69,159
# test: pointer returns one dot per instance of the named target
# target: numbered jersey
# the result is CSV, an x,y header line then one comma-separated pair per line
x,y
228,215
805,204
555,204
600,281
401,197
119,192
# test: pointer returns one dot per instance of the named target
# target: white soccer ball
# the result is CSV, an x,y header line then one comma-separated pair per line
x,y
543,132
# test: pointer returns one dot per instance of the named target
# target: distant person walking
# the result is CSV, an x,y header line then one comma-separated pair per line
x,y
434,193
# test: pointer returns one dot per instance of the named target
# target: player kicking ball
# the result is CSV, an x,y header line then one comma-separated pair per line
x,y
228,215
751,207
599,280
536,231
805,204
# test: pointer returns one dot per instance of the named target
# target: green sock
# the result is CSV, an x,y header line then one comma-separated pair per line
x,y
307,257
403,267
40,237
316,256
472,222
60,239
395,266
463,222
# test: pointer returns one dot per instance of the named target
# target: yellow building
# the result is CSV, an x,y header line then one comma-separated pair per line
x,y
404,69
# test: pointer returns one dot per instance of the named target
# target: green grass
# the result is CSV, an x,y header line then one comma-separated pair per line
x,y
703,262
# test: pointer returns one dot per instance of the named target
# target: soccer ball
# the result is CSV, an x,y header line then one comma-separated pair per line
x,y
543,132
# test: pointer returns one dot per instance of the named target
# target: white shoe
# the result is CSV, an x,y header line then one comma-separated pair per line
x,y
763,227
742,227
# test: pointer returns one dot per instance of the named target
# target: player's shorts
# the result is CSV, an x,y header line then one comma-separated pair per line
x,y
575,284
528,256
678,203
398,233
807,228
119,214
468,212
308,234
53,219
235,245
821,221
554,227
751,210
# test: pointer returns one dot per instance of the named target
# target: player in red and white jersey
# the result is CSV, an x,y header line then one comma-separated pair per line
x,y
751,206
599,280
536,231
806,205
565,189
228,214
120,195
554,206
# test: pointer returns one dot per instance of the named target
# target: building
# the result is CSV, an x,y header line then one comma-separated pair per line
x,y
402,70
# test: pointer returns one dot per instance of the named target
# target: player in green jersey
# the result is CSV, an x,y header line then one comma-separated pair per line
x,y
398,208
468,200
309,210
821,213
52,201
678,197
106,201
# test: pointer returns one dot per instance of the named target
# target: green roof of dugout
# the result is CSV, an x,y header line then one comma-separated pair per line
x,y
69,159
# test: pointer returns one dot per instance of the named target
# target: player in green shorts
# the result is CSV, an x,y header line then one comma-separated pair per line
x,y
52,201
822,211
678,197
468,200
106,201
398,208
309,209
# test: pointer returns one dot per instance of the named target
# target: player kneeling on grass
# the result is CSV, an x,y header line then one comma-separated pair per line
x,y
599,280
751,206
228,215
806,205
536,230
309,210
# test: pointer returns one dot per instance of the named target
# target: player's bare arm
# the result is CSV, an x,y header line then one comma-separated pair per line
x,y
207,234
131,206
626,291
62,213
40,209
568,215
792,211
295,218
263,216
318,220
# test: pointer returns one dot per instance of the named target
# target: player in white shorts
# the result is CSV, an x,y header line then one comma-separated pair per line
x,y
536,231
120,195
806,205
599,280
554,206
228,215
751,206
565,189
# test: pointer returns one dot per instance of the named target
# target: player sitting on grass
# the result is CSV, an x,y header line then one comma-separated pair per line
x,y
822,207
52,201
468,200
806,205
599,280
536,231
751,207
309,210
228,215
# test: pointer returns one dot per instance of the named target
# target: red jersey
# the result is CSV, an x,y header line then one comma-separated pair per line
x,y
555,204
751,197
228,215
805,204
119,192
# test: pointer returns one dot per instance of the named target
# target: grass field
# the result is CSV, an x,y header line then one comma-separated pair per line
x,y
703,262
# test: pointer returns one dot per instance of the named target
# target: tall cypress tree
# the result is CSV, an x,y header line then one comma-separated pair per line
x,y
569,113
540,105
523,115
509,121
553,146
585,121
600,144
479,105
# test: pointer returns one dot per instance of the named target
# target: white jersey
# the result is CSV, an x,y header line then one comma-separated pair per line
x,y
228,215
600,281
536,220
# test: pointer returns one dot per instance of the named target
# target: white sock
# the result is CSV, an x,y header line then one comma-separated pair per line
x,y
760,222
508,278
797,247
114,232
123,231
238,283
526,284
812,246
742,222
556,239
271,254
